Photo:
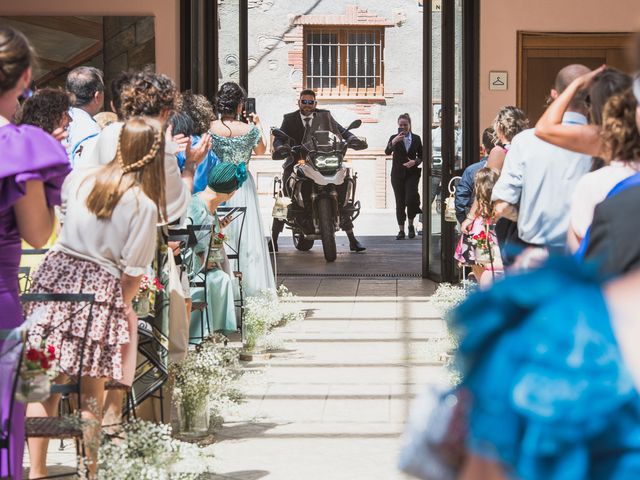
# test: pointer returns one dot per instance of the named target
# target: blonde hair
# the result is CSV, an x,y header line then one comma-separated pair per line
x,y
139,161
509,122
485,180
619,131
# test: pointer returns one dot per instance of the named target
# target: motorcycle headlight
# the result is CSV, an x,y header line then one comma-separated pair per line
x,y
327,162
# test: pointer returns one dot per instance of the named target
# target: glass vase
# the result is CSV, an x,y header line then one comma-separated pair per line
x,y
34,386
142,306
194,422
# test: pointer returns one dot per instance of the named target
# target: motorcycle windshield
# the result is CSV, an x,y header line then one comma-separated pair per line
x,y
323,136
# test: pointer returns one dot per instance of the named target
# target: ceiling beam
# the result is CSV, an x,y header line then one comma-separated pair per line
x,y
72,25
79,59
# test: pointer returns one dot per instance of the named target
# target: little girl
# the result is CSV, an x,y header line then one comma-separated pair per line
x,y
481,238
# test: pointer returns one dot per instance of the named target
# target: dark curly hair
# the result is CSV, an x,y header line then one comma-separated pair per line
x,y
45,109
510,121
147,94
606,84
115,89
199,108
16,55
229,96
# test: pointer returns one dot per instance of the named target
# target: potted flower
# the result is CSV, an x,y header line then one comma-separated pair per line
x,y
143,300
34,383
216,249
202,384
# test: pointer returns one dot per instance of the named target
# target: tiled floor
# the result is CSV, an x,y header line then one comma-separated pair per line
x,y
335,406
332,406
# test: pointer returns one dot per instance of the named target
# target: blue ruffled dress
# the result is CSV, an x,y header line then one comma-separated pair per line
x,y
552,397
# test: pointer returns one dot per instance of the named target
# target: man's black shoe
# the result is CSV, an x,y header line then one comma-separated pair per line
x,y
412,232
400,235
356,246
273,246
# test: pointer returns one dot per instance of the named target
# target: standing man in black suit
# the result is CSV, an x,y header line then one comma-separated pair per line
x,y
406,148
295,124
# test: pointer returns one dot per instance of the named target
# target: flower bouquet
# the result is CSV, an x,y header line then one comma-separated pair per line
x,y
484,246
216,249
34,383
146,296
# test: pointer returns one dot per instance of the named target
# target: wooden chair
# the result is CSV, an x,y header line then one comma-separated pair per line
x,y
59,427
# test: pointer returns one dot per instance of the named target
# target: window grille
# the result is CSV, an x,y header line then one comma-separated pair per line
x,y
344,62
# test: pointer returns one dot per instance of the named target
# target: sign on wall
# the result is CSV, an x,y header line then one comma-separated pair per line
x,y
498,80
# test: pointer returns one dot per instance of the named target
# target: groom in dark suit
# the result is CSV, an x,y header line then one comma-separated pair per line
x,y
295,124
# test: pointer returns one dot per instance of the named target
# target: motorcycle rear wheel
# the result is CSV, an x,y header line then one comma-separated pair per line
x,y
302,243
327,229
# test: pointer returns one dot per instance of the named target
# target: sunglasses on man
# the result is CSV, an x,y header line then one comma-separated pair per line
x,y
308,102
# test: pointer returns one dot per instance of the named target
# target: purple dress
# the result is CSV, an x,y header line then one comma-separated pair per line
x,y
26,153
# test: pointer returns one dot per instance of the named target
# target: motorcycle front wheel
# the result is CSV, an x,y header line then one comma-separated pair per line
x,y
327,228
302,243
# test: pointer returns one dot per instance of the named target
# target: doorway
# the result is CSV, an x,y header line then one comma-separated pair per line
x,y
542,55
275,51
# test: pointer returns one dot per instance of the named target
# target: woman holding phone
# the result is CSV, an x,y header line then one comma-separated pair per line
x,y
406,148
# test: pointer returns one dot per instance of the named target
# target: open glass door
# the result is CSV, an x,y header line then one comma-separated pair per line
x,y
452,56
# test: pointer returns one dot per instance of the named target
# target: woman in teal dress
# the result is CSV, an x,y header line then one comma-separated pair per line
x,y
223,181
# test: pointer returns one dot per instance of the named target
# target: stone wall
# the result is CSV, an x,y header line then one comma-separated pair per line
x,y
129,44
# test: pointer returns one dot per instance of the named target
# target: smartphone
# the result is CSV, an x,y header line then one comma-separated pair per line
x,y
400,130
250,106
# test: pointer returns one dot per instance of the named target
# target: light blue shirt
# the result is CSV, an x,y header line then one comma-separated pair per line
x,y
540,179
407,141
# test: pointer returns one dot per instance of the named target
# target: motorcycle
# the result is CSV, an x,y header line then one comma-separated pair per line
x,y
321,188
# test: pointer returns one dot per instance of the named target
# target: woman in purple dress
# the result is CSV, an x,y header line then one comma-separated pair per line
x,y
33,166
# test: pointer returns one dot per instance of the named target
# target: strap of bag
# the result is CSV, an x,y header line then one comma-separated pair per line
x,y
489,241
623,185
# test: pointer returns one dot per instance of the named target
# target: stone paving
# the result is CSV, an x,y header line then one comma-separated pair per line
x,y
333,406
333,403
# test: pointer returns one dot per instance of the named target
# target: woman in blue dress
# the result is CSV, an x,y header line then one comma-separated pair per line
x,y
233,142
551,376
224,180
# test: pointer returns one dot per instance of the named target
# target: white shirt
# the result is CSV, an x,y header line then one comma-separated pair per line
x,y
407,141
305,117
592,189
124,244
540,178
83,135
177,192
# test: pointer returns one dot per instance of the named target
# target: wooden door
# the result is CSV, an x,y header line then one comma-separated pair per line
x,y
542,55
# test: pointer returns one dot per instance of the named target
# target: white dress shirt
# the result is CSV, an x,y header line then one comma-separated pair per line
x,y
540,179
83,135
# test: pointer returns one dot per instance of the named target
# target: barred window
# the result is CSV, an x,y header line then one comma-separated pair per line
x,y
344,62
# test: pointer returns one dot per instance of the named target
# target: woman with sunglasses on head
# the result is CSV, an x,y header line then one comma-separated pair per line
x,y
32,170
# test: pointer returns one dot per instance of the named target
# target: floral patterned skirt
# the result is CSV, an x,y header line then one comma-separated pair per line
x,y
64,324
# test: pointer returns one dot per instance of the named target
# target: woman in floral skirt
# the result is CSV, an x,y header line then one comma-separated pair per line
x,y
107,243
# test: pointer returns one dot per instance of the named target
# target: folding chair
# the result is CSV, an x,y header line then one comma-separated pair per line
x,y
59,427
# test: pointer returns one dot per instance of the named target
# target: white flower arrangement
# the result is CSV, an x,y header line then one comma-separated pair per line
x,y
266,311
147,451
448,296
207,377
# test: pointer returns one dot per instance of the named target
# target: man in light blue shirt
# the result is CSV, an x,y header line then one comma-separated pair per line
x,y
538,178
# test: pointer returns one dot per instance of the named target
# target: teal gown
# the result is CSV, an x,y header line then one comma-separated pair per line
x,y
220,310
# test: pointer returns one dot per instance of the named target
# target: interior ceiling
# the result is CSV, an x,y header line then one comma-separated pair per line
x,y
61,43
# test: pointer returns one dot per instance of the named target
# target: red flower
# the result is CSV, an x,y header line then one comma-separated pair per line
x,y
221,236
34,355
44,363
51,352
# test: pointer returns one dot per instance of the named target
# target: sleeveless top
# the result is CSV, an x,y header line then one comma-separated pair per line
x,y
236,149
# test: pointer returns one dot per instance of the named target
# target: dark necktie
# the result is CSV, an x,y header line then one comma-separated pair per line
x,y
307,123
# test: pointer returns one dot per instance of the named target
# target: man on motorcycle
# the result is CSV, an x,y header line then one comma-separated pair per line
x,y
295,125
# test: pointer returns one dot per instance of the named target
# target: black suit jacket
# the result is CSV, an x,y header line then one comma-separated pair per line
x,y
614,233
293,126
401,156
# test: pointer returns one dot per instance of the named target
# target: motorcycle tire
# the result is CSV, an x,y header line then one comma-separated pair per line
x,y
302,243
327,229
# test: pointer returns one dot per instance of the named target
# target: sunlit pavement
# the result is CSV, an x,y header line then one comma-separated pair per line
x,y
334,404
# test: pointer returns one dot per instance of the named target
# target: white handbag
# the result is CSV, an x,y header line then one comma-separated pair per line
x,y
281,205
450,202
